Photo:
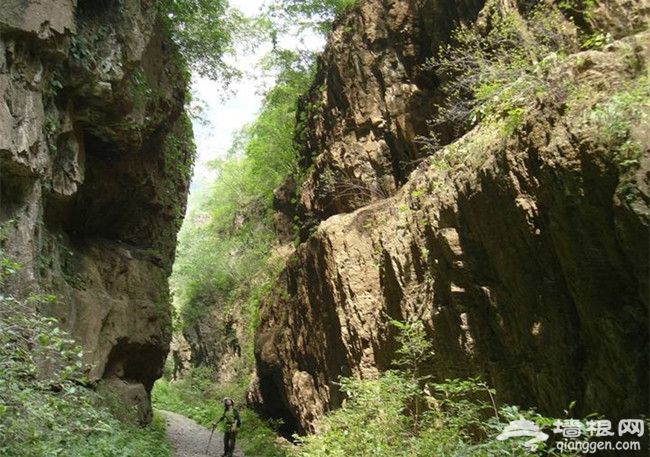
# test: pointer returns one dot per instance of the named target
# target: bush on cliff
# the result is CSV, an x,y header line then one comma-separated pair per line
x,y
494,67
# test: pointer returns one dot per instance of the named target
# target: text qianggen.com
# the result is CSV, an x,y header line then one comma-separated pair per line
x,y
590,447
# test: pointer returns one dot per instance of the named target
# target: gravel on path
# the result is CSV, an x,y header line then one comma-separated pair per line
x,y
191,439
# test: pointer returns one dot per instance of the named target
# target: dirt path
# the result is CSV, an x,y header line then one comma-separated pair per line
x,y
191,439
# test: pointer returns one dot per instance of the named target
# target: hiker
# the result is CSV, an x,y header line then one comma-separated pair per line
x,y
231,425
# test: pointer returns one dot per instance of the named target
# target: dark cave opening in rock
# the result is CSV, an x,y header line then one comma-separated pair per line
x,y
135,362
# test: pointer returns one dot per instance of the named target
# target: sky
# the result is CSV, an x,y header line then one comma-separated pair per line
x,y
221,119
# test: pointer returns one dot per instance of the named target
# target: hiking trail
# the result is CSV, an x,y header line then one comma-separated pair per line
x,y
190,439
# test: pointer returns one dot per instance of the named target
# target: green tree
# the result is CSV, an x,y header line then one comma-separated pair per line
x,y
204,31
317,15
224,253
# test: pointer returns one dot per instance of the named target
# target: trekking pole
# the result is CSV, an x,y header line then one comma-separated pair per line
x,y
209,441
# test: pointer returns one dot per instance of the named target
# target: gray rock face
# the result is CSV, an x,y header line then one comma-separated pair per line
x,y
95,160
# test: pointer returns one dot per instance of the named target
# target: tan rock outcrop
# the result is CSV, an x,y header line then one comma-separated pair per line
x,y
369,101
525,253
95,160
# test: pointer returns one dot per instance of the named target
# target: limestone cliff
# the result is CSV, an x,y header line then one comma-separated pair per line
x,y
523,247
95,159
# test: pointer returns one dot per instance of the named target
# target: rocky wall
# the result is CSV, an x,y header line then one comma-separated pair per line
x,y
523,248
95,160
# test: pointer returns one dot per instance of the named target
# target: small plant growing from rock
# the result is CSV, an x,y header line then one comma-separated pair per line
x,y
491,69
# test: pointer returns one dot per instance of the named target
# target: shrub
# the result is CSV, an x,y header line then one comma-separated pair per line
x,y
615,118
494,68
380,417
371,421
45,410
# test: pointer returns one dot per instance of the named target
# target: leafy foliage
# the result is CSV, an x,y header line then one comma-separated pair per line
x,y
615,118
204,31
197,396
268,141
415,348
225,257
492,71
225,254
371,422
378,418
314,14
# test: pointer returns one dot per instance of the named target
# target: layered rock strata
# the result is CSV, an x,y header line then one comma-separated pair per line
x,y
523,248
95,160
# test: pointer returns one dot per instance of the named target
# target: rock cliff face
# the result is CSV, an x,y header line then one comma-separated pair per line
x,y
95,159
523,249
369,101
